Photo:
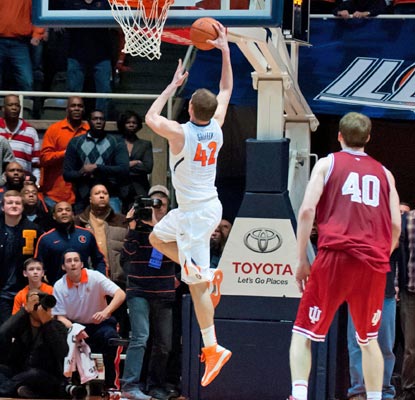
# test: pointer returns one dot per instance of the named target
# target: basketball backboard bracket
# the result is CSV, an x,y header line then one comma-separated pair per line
x,y
267,52
282,108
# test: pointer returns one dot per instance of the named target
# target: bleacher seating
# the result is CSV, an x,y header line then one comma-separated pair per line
x,y
54,108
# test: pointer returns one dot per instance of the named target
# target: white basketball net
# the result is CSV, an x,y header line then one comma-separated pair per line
x,y
142,26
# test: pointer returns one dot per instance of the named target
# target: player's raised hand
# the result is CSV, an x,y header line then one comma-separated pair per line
x,y
180,75
221,42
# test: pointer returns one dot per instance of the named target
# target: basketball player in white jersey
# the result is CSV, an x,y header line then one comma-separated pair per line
x,y
183,234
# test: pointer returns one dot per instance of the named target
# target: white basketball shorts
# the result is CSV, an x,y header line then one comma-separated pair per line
x,y
192,229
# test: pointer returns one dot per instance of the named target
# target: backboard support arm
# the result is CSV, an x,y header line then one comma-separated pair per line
x,y
282,108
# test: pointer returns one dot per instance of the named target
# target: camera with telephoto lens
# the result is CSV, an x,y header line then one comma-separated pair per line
x,y
143,207
46,301
77,392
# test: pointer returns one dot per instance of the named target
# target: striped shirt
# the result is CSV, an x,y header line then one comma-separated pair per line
x,y
146,277
25,144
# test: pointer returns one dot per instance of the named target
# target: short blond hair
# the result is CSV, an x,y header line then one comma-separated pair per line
x,y
355,129
204,104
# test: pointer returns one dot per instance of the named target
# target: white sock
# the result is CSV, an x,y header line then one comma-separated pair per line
x,y
299,390
209,336
374,395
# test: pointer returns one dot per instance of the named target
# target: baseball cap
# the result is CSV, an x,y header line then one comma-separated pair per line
x,y
159,189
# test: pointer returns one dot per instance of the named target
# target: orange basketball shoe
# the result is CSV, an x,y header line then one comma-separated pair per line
x,y
214,357
215,285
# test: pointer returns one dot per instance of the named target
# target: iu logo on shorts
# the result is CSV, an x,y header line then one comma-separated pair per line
x,y
314,314
376,317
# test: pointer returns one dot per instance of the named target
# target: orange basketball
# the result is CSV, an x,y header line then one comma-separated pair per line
x,y
201,30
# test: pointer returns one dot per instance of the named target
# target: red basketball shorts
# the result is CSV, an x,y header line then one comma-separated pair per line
x,y
337,277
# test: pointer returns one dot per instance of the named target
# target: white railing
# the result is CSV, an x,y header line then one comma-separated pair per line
x,y
120,96
84,95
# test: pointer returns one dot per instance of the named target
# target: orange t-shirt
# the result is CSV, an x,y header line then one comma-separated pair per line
x,y
16,20
54,145
20,298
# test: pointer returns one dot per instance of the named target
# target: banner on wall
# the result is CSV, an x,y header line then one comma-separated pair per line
x,y
363,65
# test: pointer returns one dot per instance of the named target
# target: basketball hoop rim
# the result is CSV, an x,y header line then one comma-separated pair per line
x,y
146,4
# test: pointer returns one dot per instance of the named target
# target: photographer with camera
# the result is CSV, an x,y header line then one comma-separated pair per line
x,y
32,349
151,286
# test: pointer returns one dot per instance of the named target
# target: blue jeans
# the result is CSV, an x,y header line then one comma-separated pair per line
x,y
36,54
143,314
102,72
98,339
17,53
407,322
386,341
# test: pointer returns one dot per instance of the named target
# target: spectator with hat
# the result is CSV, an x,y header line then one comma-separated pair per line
x,y
151,287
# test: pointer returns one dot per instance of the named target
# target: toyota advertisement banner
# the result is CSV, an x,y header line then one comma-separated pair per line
x,y
362,65
259,259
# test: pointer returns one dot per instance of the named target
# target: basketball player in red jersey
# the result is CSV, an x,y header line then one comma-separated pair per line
x,y
356,206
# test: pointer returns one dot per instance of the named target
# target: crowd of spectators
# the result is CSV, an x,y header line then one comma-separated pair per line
x,y
62,233
33,57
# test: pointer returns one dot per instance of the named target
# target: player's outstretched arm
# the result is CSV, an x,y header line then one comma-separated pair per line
x,y
154,120
306,217
226,81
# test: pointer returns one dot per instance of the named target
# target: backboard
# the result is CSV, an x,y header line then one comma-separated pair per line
x,y
96,13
